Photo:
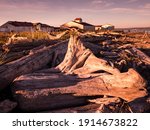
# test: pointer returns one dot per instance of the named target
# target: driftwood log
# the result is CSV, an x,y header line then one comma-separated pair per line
x,y
78,76
27,45
32,62
142,56
100,105
109,105
44,90
11,56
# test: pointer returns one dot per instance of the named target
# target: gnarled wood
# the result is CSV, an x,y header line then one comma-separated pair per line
x,y
37,58
80,60
47,86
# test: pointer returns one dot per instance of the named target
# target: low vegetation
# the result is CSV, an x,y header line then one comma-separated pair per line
x,y
30,35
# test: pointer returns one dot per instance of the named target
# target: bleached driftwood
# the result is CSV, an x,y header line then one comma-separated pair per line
x,y
77,76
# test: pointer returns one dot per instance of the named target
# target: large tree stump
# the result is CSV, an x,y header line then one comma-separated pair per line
x,y
79,76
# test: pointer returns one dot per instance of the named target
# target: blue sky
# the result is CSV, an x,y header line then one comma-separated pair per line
x,y
121,13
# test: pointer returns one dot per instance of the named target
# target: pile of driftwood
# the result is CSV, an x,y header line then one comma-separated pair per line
x,y
84,75
16,49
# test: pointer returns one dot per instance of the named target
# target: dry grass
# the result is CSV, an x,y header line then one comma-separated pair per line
x,y
30,35
4,37
34,35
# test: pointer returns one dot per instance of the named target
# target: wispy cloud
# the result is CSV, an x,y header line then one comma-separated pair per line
x,y
132,1
131,11
15,4
88,10
147,6
97,2
102,3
